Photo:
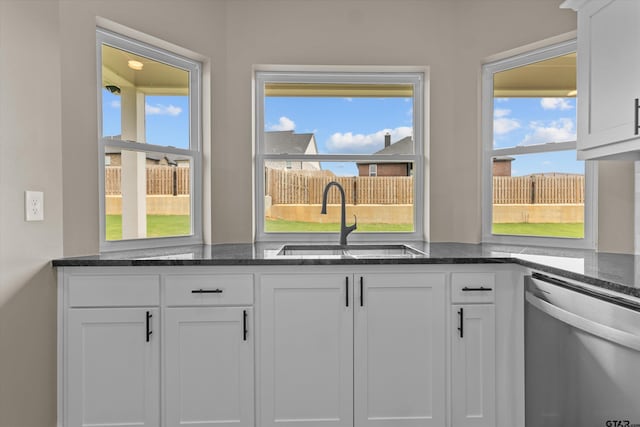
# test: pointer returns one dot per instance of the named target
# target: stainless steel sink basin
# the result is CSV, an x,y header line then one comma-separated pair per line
x,y
353,251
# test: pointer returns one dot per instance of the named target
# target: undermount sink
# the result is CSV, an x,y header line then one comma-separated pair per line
x,y
354,251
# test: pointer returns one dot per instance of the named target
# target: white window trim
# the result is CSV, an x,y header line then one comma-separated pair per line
x,y
417,75
194,68
373,169
590,209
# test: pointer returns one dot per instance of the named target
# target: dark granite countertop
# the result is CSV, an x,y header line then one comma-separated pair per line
x,y
615,272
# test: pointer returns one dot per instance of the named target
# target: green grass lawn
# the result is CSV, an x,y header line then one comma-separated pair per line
x,y
180,225
157,226
279,225
573,230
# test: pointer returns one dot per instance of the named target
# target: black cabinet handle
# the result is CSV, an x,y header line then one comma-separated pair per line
x,y
206,291
637,125
149,331
480,289
347,290
461,321
244,325
361,292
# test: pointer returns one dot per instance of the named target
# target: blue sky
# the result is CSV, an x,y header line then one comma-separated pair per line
x,y
167,119
342,125
529,121
358,125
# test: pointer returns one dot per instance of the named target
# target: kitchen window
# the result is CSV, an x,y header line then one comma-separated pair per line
x,y
149,145
534,189
363,129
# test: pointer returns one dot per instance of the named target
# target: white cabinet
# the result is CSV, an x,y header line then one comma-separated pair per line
x,y
117,325
332,346
399,350
473,371
306,350
208,367
112,367
335,343
473,350
608,78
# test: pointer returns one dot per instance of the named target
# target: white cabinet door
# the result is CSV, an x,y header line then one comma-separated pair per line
x,y
113,367
306,350
473,366
608,73
400,350
208,368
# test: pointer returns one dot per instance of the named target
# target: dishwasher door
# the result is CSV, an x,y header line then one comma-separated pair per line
x,y
582,356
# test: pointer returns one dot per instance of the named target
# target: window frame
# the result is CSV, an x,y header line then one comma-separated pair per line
x,y
373,169
590,169
418,76
118,41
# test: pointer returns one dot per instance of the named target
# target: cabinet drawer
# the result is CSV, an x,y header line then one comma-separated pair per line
x,y
114,291
223,289
472,287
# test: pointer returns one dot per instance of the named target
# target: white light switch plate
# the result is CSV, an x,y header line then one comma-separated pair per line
x,y
34,205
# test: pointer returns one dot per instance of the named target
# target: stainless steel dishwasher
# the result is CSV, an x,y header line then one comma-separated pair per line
x,y
582,349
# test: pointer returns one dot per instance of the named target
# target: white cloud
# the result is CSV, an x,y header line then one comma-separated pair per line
x,y
561,130
284,123
348,99
162,110
115,103
360,143
555,104
505,125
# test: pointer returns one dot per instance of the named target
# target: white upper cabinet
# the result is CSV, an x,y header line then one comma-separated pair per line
x,y
608,78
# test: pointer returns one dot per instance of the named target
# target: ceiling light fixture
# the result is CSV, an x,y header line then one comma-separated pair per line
x,y
135,65
113,89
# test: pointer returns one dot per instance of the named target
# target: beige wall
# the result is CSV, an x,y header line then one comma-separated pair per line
x,y
48,117
615,206
29,160
452,37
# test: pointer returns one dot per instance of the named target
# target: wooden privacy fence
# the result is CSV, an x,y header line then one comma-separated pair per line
x,y
161,180
538,189
287,187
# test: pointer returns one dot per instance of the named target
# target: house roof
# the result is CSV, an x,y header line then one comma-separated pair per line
x,y
404,146
279,142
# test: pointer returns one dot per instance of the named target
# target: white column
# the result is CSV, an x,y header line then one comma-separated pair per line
x,y
134,178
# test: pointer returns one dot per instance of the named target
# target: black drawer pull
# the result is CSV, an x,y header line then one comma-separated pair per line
x,y
347,290
245,330
637,124
149,331
461,320
206,291
480,289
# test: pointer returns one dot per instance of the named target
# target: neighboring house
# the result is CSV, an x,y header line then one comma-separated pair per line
x,y
115,159
502,165
386,168
280,142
